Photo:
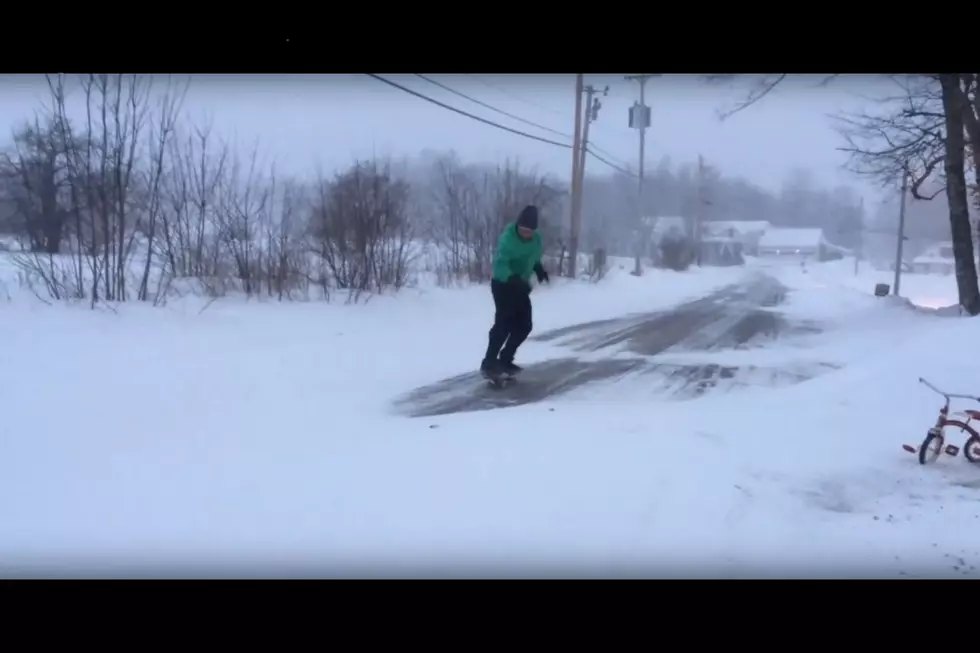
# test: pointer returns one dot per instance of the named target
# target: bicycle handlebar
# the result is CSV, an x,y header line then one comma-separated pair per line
x,y
947,394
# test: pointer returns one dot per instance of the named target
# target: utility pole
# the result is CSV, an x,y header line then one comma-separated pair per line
x,y
859,245
640,119
591,114
699,212
901,230
576,201
592,106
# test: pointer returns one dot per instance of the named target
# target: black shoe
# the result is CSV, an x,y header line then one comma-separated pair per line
x,y
508,367
490,366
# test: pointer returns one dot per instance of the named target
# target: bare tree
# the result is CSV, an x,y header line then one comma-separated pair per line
x,y
287,268
903,133
473,204
242,212
760,86
102,162
99,184
969,99
121,104
954,106
362,228
924,126
193,190
165,122
919,132
455,204
34,178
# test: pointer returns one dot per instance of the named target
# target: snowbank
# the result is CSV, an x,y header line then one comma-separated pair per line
x,y
254,440
927,290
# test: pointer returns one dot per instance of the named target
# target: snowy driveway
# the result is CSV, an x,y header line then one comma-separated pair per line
x,y
738,316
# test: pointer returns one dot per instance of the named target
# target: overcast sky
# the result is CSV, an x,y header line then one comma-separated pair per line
x,y
305,120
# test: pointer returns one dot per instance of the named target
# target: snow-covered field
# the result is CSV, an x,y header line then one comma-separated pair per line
x,y
259,440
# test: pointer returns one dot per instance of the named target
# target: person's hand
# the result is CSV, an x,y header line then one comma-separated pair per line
x,y
542,274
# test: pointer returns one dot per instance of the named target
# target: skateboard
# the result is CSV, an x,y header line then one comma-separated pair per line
x,y
500,381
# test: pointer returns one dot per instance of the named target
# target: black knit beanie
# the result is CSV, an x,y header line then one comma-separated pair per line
x,y
528,217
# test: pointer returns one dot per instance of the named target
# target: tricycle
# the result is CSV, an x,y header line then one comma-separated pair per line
x,y
935,439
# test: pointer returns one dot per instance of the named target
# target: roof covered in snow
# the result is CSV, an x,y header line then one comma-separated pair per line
x,y
791,238
740,227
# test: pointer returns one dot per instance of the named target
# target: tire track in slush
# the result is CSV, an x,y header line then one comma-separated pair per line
x,y
736,316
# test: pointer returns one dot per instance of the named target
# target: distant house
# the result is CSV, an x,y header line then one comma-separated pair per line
x,y
721,243
937,259
747,232
721,251
797,244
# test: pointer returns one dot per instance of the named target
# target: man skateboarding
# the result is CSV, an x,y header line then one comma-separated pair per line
x,y
518,254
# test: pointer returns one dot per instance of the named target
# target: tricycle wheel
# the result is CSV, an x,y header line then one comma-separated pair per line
x,y
971,450
931,447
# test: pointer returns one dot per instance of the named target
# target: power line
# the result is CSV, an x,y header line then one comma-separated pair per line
x,y
517,97
467,114
510,115
606,152
421,96
611,165
492,108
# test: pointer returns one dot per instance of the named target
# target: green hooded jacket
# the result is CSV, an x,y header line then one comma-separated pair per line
x,y
515,255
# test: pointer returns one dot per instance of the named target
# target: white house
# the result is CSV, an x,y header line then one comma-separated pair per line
x,y
747,232
796,244
721,251
937,259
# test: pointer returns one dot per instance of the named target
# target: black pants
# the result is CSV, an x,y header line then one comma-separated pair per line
x,y
512,320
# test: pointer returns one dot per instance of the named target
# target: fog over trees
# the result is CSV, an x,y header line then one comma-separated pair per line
x,y
135,201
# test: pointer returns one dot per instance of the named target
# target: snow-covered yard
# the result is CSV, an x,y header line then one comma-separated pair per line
x,y
258,440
